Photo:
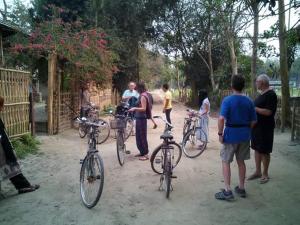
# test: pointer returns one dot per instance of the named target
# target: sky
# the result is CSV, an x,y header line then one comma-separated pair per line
x,y
264,24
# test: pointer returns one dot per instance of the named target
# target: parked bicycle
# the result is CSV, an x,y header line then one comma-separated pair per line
x,y
119,125
122,110
194,138
92,115
167,155
92,169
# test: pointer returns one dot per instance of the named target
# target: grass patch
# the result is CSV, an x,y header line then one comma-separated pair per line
x,y
25,145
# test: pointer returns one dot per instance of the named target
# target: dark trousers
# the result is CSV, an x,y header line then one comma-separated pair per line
x,y
141,136
20,181
168,115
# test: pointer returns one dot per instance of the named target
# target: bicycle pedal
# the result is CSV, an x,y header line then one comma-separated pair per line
x,y
127,152
81,161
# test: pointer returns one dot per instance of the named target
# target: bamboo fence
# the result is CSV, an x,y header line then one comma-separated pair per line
x,y
14,88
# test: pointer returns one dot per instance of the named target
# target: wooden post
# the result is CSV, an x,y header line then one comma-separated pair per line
x,y
52,59
59,98
31,100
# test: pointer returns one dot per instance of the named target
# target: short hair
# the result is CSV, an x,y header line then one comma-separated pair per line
x,y
1,101
140,87
166,86
238,82
264,78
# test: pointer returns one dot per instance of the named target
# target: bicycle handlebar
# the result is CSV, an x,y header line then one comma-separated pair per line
x,y
165,121
85,121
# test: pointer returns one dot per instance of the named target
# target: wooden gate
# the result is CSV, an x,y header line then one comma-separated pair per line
x,y
14,88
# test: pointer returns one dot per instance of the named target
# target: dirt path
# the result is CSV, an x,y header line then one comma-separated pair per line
x,y
131,196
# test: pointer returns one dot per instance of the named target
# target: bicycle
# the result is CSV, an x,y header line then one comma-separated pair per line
x,y
93,116
194,140
165,155
119,124
92,169
122,110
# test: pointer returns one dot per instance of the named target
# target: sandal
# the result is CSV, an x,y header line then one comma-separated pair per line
x,y
254,176
29,189
224,195
264,180
155,126
144,158
138,155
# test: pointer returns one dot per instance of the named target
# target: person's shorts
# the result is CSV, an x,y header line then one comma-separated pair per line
x,y
240,150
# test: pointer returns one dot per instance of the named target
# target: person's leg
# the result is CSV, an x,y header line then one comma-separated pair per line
x,y
144,142
168,115
242,173
258,160
226,175
20,182
266,162
138,135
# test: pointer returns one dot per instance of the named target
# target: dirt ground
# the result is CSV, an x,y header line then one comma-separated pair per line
x,y
131,196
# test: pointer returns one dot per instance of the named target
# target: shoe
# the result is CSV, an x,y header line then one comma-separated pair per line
x,y
29,189
240,192
224,195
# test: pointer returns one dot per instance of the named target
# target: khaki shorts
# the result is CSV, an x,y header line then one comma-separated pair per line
x,y
240,150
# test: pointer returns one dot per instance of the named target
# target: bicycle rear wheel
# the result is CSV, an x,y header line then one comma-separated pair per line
x,y
120,148
194,143
168,174
91,179
129,128
157,157
82,130
104,131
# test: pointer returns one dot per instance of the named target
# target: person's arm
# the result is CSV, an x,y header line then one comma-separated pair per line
x,y
206,109
221,123
264,112
143,106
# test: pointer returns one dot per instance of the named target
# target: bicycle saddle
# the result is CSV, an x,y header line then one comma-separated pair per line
x,y
166,136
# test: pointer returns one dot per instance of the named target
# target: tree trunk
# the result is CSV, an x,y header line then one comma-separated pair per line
x,y
211,70
254,48
285,91
233,59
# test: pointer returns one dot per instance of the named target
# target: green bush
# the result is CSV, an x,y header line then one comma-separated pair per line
x,y
25,145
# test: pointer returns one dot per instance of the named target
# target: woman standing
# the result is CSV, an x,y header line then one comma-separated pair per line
x,y
141,122
204,116
263,131
9,167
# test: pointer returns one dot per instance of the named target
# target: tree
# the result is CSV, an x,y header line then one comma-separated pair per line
x,y
3,11
285,90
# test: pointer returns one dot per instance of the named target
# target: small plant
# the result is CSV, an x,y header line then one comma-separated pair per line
x,y
25,145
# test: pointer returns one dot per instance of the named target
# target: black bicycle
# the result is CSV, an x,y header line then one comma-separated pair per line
x,y
92,115
92,169
119,125
194,139
122,110
167,156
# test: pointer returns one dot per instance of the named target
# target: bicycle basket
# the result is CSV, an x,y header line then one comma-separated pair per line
x,y
117,124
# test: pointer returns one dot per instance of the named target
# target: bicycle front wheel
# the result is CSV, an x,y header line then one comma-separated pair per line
x,y
82,130
129,128
120,149
91,179
194,143
157,157
104,131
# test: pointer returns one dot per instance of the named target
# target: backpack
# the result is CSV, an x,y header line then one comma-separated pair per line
x,y
149,98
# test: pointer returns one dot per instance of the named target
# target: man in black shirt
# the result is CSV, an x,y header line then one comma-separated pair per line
x,y
263,131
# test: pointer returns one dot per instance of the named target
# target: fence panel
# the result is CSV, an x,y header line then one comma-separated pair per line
x,y
14,88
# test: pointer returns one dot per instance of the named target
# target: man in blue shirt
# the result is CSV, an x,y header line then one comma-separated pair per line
x,y
238,116
131,95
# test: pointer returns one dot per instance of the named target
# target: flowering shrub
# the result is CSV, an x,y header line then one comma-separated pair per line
x,y
85,51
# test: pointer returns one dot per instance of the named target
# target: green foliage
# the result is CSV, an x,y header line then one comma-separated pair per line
x,y
25,145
